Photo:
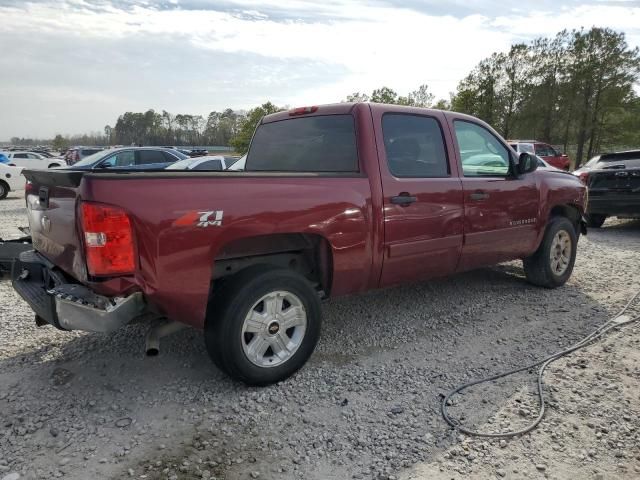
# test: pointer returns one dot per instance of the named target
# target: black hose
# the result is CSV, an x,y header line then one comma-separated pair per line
x,y
613,322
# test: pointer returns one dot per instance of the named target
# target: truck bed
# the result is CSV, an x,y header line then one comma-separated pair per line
x,y
176,259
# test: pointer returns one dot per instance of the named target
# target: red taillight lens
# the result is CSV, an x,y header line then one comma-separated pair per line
x,y
108,239
29,187
584,177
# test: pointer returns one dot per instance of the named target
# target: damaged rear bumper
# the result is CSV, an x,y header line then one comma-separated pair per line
x,y
70,306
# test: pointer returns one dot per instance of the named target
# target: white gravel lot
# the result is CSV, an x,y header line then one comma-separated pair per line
x,y
79,405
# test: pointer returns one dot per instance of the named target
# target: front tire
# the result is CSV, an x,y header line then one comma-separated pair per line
x,y
552,264
595,220
263,325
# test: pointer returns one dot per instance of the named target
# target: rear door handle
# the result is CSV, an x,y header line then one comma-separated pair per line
x,y
479,195
404,199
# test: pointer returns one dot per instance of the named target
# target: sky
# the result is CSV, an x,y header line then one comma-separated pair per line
x,y
73,66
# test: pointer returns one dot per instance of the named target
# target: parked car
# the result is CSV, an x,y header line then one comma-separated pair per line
x,y
75,154
337,199
129,158
46,153
10,179
542,164
613,180
33,160
209,162
240,164
548,153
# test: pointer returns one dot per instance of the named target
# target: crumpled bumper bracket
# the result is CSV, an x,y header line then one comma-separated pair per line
x,y
70,306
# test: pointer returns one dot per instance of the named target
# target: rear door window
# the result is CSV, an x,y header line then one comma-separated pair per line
x,y
312,144
125,158
543,150
146,157
414,146
89,151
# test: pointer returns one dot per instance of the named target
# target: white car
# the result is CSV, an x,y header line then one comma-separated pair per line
x,y
240,164
543,164
11,179
33,160
209,162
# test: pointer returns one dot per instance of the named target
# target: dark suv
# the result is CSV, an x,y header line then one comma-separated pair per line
x,y
614,186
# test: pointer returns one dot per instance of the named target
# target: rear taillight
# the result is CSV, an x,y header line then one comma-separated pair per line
x,y
29,187
302,110
584,177
108,239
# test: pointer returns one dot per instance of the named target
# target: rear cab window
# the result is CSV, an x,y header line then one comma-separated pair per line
x,y
323,143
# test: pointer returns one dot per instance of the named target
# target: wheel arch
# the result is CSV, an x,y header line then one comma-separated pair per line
x,y
570,211
309,254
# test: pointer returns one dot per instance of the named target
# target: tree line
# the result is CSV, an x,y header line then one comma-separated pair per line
x,y
575,90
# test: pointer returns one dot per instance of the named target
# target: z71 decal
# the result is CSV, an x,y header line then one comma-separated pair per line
x,y
210,218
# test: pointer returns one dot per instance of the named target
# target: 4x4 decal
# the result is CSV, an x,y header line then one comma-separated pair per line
x,y
209,218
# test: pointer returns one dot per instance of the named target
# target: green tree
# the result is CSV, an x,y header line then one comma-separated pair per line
x,y
442,104
240,141
421,97
60,143
357,97
384,95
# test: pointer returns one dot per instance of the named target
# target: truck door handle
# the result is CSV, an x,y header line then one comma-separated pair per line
x,y
479,195
403,199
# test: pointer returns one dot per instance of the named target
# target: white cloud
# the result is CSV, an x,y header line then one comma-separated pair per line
x,y
354,46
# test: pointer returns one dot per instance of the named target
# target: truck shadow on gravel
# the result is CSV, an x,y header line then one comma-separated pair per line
x,y
365,406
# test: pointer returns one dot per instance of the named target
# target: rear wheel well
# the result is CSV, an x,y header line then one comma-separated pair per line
x,y
307,254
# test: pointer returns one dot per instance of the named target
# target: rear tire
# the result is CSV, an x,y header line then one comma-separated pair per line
x,y
53,165
551,265
4,190
595,220
263,324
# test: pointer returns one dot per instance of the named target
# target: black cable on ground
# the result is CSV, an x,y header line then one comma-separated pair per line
x,y
614,322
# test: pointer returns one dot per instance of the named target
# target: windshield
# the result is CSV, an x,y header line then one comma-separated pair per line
x,y
91,159
526,147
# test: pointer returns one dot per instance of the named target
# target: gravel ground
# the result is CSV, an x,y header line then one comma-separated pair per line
x,y
79,405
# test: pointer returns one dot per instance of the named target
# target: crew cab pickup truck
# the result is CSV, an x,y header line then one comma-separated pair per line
x,y
334,200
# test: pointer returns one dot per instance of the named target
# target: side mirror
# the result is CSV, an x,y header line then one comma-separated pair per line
x,y
527,163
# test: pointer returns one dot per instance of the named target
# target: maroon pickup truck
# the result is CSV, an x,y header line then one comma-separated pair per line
x,y
333,200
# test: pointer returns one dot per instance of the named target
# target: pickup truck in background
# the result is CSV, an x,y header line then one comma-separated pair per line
x,y
548,153
334,200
